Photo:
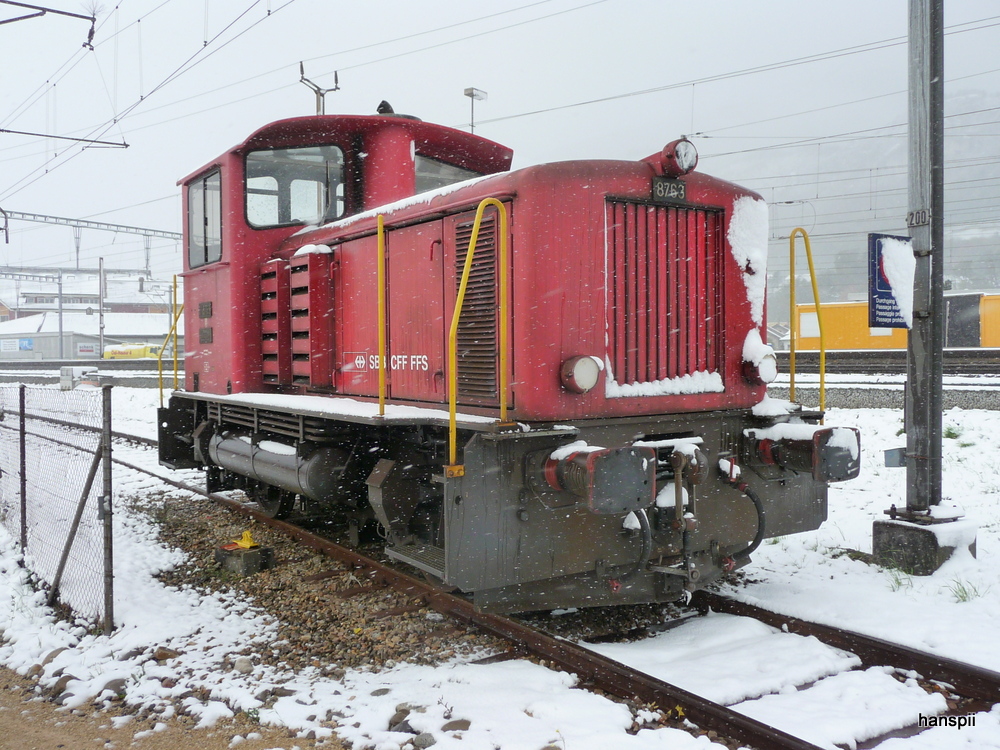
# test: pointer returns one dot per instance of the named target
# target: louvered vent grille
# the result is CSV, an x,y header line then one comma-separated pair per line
x,y
477,326
275,333
664,291
310,303
294,426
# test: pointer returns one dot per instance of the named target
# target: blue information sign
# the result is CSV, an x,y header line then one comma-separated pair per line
x,y
883,312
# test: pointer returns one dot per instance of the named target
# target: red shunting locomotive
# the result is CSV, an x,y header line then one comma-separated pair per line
x,y
548,385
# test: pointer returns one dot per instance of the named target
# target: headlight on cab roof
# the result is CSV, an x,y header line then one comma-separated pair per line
x,y
679,157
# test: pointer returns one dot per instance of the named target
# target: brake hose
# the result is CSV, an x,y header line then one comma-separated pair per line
x,y
759,506
618,583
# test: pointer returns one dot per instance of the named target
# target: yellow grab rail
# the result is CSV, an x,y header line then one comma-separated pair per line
x,y
793,314
453,469
159,355
381,316
174,285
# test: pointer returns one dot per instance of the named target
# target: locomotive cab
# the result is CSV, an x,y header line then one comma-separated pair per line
x,y
352,360
287,176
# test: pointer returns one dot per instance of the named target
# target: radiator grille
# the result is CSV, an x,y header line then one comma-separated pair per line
x,y
294,426
664,291
477,326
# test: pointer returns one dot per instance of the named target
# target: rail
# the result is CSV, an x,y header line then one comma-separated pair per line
x,y
159,356
454,469
965,679
793,317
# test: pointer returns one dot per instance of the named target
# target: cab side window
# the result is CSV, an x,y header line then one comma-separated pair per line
x,y
205,220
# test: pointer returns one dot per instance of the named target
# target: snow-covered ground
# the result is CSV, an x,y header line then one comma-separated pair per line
x,y
522,705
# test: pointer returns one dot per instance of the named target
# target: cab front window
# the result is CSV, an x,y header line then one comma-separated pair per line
x,y
286,186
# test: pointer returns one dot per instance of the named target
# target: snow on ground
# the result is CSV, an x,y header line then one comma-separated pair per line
x,y
953,612
522,705
699,656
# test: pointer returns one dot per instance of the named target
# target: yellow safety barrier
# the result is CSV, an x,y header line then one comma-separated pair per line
x,y
381,316
454,469
793,313
159,357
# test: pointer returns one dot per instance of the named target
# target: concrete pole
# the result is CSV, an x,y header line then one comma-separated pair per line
x,y
100,309
62,353
77,231
926,221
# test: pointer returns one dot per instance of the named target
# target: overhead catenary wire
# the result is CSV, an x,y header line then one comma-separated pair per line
x,y
807,59
958,28
895,41
146,109
232,84
187,65
74,59
41,171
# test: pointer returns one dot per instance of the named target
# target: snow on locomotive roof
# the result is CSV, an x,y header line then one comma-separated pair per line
x,y
403,203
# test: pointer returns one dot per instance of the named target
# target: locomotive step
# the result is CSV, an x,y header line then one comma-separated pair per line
x,y
427,557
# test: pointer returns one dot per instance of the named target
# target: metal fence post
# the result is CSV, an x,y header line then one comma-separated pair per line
x,y
24,478
105,507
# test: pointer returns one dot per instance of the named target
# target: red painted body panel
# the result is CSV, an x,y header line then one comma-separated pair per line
x,y
567,238
416,313
559,306
357,316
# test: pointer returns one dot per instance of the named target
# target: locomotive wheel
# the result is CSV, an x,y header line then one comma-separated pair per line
x,y
274,502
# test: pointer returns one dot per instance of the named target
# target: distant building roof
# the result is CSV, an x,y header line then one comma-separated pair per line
x,y
120,289
116,325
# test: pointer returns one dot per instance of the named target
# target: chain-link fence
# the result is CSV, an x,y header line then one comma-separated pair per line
x,y
54,497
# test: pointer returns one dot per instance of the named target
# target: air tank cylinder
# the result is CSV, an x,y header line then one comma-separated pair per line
x,y
314,473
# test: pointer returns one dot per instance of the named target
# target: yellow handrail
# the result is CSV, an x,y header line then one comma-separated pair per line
x,y
454,469
381,316
174,285
159,355
793,314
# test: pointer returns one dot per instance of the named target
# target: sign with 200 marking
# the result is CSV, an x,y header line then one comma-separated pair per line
x,y
920,218
669,190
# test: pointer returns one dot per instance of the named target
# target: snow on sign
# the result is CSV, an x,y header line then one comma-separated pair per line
x,y
890,281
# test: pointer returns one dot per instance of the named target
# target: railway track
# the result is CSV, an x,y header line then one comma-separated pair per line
x,y
891,362
978,687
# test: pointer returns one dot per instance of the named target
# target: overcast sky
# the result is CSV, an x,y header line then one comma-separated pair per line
x,y
565,79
